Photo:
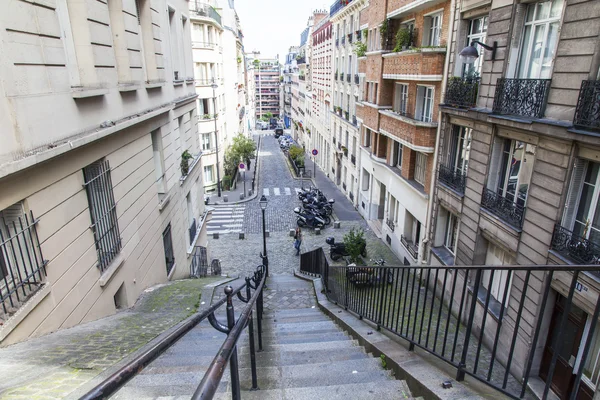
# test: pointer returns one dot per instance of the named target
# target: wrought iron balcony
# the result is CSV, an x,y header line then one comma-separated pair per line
x,y
577,248
354,122
346,115
587,113
452,178
353,159
504,208
358,34
461,92
337,6
349,38
206,10
525,97
356,79
412,248
390,224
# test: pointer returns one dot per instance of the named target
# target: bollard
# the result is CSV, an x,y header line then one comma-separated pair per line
x,y
292,232
241,196
317,231
336,225
267,233
249,192
242,235
216,235
225,199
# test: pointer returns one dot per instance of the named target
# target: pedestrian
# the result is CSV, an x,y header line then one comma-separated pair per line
x,y
297,240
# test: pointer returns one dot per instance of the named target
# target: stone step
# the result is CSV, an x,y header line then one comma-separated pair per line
x,y
341,345
306,337
288,319
297,326
271,358
324,331
389,390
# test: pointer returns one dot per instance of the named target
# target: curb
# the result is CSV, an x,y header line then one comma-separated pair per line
x,y
208,290
422,372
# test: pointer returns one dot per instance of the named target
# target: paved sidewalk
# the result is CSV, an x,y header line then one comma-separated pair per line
x,y
233,196
55,365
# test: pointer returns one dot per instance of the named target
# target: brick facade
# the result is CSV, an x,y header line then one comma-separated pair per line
x,y
411,63
419,136
369,116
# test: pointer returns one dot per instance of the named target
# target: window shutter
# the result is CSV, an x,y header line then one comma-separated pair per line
x,y
574,193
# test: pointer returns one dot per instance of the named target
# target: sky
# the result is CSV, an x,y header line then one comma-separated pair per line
x,y
272,26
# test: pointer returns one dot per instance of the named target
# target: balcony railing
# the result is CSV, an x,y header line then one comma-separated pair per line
x,y
206,10
412,248
339,145
577,248
390,224
461,92
524,97
353,159
337,6
356,79
346,115
349,38
354,121
302,77
452,178
587,113
341,76
301,60
349,78
358,34
504,208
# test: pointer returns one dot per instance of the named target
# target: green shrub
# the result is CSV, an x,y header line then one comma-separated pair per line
x,y
355,243
360,49
403,39
226,182
296,152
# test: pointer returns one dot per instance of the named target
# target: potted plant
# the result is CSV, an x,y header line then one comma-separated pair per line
x,y
360,49
185,162
239,60
383,31
206,116
403,39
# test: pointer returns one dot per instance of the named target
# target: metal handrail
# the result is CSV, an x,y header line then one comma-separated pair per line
x,y
110,385
228,351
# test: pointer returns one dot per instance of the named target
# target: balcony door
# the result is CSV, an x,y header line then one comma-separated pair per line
x,y
583,213
540,39
459,148
511,168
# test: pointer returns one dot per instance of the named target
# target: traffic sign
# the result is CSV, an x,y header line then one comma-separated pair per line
x,y
242,166
315,152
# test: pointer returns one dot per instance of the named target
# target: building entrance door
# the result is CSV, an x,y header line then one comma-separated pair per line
x,y
563,377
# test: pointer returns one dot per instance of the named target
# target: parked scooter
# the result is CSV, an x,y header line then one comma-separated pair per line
x,y
308,219
338,250
326,207
319,212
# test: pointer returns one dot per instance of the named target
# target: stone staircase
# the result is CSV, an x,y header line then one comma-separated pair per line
x,y
305,356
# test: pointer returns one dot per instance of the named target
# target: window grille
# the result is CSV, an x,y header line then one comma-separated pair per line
x,y
98,185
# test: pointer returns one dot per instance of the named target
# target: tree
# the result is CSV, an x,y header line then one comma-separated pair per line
x,y
244,147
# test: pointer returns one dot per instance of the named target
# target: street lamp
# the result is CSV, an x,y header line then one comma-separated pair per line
x,y
470,53
214,87
263,206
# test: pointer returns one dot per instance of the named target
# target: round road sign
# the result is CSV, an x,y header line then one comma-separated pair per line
x,y
315,152
242,166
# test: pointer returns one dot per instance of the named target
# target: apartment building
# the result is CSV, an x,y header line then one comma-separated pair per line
x,y
345,19
517,169
266,78
321,82
301,128
289,68
221,86
404,67
100,159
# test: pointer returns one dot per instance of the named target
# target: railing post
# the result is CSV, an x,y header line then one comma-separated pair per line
x,y
460,374
380,311
233,363
259,313
251,338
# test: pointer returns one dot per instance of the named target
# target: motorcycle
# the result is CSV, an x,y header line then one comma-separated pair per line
x,y
309,220
338,250
319,212
362,276
327,207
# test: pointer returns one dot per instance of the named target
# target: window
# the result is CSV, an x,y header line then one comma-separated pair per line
x,y
591,368
367,142
207,142
424,103
103,212
366,177
159,161
433,29
208,174
401,98
496,256
511,167
477,31
420,168
168,246
583,215
540,38
451,233
412,230
459,149
175,62
396,159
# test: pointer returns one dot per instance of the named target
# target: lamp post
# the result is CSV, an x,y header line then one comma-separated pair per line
x,y
263,206
214,87
470,53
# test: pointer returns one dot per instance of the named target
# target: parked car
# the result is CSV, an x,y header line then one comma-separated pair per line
x,y
278,131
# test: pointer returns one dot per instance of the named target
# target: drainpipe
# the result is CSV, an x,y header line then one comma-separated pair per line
x,y
428,224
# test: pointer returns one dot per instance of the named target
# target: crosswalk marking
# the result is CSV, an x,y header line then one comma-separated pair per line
x,y
287,192
276,192
266,191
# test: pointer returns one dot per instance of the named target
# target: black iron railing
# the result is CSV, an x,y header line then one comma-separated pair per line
x,y
452,178
337,6
192,231
461,92
587,113
502,207
577,248
227,352
22,266
301,60
206,10
353,159
101,201
313,262
447,312
390,224
199,267
525,97
356,79
346,115
411,247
